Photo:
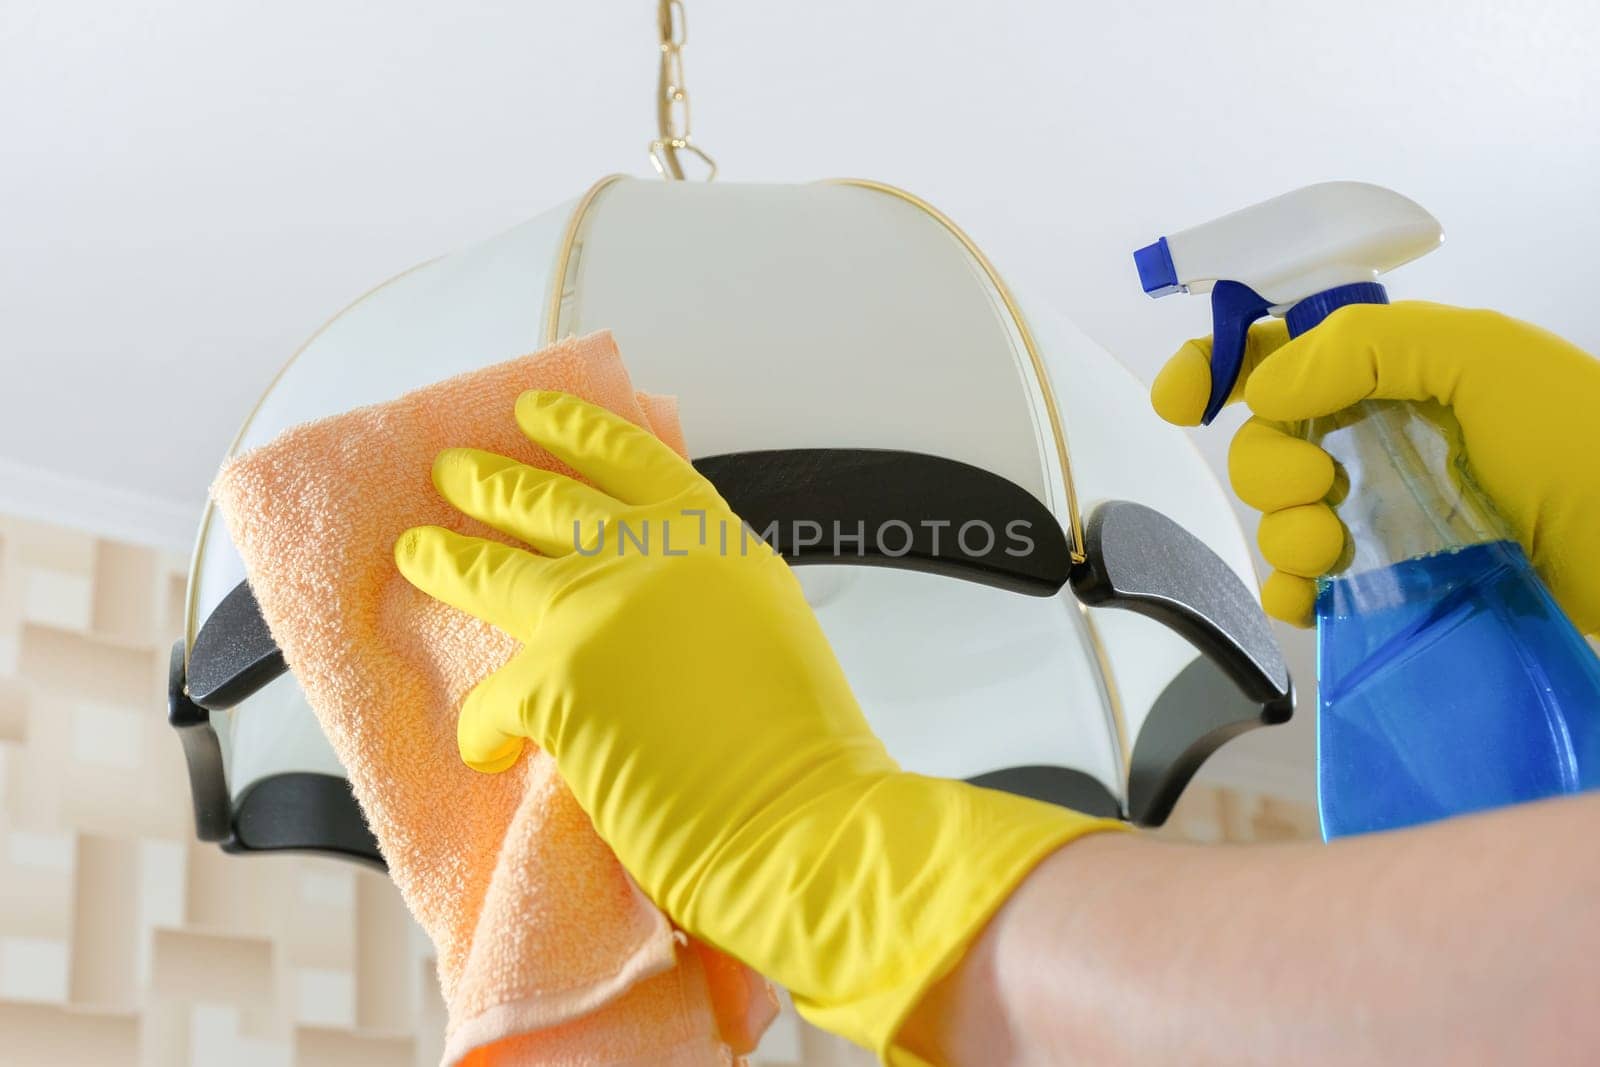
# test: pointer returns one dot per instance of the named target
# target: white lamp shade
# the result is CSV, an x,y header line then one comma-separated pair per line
x,y
826,315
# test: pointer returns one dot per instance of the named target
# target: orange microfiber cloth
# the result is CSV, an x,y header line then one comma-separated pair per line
x,y
548,953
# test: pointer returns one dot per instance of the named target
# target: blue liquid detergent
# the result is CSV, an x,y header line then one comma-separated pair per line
x,y
1449,683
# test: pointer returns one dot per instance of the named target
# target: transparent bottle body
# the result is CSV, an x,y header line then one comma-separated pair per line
x,y
1449,679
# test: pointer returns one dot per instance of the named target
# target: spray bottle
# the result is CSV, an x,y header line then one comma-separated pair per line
x,y
1449,680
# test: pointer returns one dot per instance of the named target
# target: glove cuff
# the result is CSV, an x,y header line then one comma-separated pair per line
x,y
865,898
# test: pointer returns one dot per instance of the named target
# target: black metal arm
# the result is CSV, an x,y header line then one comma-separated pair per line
x,y
863,507
1142,561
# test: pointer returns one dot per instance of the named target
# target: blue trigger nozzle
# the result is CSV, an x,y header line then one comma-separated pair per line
x,y
1234,306
1157,274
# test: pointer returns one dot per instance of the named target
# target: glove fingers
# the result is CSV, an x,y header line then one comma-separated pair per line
x,y
501,585
1304,541
549,511
492,727
1270,470
1182,388
619,457
1379,351
1289,598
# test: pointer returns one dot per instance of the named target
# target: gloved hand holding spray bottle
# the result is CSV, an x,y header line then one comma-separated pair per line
x,y
1449,679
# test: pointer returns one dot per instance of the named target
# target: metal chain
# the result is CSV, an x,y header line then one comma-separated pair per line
x,y
672,99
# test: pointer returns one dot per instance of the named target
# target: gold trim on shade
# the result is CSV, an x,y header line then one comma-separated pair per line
x,y
1108,684
569,241
193,591
1074,522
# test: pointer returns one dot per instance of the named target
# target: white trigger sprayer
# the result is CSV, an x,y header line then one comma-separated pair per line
x,y
1301,256
1448,678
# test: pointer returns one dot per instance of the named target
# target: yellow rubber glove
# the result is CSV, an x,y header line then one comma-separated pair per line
x,y
695,709
1528,404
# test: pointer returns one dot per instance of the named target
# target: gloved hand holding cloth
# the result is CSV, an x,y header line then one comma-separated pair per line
x,y
688,694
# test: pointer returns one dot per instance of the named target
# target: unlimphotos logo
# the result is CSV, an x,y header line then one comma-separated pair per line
x,y
893,538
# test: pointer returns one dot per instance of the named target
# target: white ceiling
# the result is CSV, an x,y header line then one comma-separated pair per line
x,y
190,188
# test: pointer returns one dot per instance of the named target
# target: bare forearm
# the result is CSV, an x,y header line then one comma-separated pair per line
x,y
1475,941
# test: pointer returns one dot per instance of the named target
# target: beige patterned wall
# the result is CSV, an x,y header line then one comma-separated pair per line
x,y
123,941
